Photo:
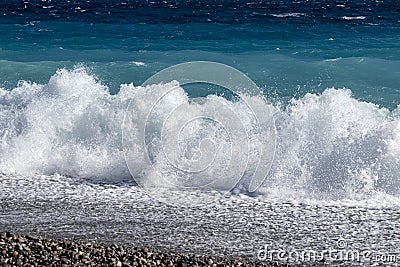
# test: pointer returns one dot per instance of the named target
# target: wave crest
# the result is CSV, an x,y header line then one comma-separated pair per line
x,y
328,145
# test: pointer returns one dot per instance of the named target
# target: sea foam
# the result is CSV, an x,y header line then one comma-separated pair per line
x,y
329,145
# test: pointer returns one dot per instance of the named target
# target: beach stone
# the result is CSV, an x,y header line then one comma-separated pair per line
x,y
20,250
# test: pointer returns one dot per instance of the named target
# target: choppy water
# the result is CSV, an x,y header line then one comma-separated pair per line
x,y
328,69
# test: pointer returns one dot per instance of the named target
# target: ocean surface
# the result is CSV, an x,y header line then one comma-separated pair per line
x,y
328,71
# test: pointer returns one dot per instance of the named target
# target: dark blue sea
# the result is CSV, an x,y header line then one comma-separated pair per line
x,y
329,109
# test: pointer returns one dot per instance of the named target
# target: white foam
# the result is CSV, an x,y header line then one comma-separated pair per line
x,y
67,126
330,146
138,63
289,15
333,59
354,18
333,146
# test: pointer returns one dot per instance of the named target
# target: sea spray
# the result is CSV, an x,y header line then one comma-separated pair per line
x,y
329,145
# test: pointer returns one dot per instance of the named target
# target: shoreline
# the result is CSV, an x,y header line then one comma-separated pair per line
x,y
26,250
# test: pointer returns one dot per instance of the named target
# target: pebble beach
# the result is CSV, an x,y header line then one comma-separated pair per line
x,y
23,250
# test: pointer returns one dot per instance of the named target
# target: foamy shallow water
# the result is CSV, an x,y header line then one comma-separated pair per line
x,y
235,225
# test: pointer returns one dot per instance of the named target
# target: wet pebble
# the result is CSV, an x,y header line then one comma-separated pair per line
x,y
19,250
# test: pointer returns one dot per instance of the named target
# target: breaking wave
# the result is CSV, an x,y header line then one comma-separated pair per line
x,y
328,145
